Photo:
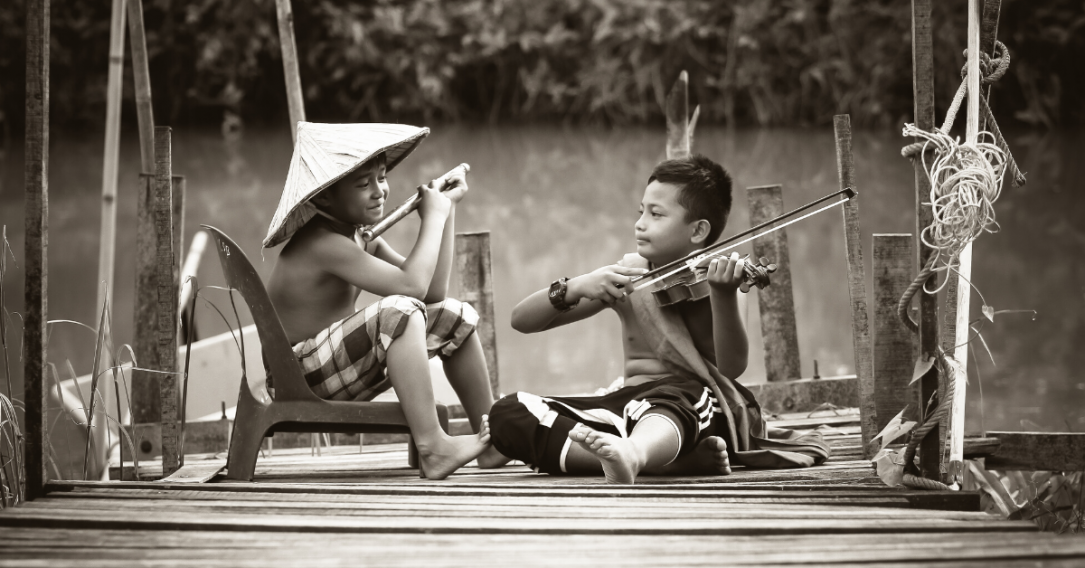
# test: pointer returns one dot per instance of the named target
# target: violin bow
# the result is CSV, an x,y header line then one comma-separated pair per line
x,y
718,249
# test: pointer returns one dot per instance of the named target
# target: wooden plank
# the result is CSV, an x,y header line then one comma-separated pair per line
x,y
776,302
141,76
476,288
806,394
853,244
930,450
677,112
894,344
35,255
294,97
166,323
1038,451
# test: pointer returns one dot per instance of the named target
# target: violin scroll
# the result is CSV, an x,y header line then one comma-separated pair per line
x,y
756,274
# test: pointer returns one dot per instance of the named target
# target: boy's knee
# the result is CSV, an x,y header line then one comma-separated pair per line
x,y
463,310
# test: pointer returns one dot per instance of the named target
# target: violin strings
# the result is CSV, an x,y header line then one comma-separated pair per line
x,y
698,259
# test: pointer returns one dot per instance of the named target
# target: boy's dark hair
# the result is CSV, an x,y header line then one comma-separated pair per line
x,y
705,190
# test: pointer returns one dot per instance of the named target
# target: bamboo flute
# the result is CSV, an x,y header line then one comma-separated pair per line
x,y
107,238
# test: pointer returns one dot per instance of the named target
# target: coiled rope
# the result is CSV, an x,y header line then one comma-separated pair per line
x,y
965,182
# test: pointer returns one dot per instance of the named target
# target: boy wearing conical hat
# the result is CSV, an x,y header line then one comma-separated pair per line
x,y
336,184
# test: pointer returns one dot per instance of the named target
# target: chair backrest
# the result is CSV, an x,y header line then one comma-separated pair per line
x,y
240,275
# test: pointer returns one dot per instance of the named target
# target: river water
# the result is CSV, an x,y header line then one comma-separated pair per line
x,y
562,201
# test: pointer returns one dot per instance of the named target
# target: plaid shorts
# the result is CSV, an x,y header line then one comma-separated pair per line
x,y
347,360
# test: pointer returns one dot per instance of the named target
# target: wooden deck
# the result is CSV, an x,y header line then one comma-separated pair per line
x,y
346,508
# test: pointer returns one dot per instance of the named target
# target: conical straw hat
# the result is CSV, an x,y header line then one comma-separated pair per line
x,y
323,154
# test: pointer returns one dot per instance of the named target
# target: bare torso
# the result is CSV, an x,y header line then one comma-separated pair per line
x,y
641,362
307,298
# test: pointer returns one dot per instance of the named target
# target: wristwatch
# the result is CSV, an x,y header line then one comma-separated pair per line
x,y
557,295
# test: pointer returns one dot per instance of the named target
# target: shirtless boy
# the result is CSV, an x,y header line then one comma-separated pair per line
x,y
657,423
338,181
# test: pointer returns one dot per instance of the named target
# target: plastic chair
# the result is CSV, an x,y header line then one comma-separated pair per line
x,y
295,408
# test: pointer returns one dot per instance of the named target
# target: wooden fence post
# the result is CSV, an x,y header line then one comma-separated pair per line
x,y
166,269
294,98
930,450
35,256
894,344
146,406
860,316
776,302
476,288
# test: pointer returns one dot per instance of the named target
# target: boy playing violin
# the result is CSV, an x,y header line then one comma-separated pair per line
x,y
337,184
680,410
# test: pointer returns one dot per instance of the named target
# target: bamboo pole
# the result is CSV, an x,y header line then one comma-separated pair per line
x,y
964,269
107,236
294,98
930,453
860,316
35,257
142,77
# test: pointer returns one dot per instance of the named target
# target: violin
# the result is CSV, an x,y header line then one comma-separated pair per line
x,y
692,284
687,277
412,203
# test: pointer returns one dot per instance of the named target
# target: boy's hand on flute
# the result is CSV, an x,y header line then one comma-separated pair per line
x,y
454,187
433,202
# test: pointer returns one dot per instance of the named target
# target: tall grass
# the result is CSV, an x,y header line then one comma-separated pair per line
x,y
12,473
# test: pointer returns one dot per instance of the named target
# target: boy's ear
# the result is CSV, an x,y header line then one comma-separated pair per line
x,y
701,228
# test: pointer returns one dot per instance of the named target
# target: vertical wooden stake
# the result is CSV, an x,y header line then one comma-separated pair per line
x,y
166,269
894,344
142,78
476,288
860,317
294,98
777,303
677,111
146,405
35,256
930,450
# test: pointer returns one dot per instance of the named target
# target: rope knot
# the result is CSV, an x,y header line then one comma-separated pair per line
x,y
992,68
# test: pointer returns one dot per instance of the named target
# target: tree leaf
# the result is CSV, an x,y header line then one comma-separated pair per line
x,y
989,312
894,429
890,466
921,368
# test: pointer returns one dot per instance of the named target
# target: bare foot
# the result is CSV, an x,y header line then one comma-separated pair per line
x,y
708,458
618,456
449,453
492,458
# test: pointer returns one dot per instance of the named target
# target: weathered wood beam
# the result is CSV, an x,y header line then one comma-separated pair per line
x,y
166,322
776,302
1038,451
930,450
894,344
860,316
35,255
677,112
476,288
295,99
141,76
805,395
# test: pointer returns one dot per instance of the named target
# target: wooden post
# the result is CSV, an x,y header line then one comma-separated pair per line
x,y
294,97
930,450
894,344
146,406
677,112
166,269
107,238
860,322
141,76
476,288
35,255
776,302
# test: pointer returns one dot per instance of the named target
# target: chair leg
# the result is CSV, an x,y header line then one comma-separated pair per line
x,y
244,449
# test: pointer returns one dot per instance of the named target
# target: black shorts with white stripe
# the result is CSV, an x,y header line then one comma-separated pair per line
x,y
535,429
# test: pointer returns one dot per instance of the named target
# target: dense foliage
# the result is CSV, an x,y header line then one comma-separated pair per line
x,y
764,62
